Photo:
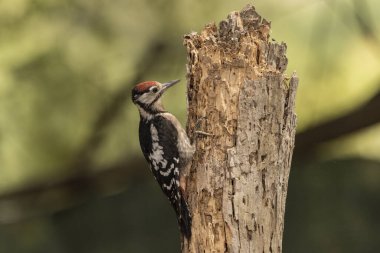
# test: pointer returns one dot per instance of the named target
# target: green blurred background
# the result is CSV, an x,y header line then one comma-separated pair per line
x,y
72,175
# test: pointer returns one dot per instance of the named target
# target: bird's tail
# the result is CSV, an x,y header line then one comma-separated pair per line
x,y
181,208
184,217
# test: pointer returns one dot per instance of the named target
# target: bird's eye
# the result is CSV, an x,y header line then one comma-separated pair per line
x,y
154,89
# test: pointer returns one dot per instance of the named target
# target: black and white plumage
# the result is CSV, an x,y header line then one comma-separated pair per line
x,y
165,146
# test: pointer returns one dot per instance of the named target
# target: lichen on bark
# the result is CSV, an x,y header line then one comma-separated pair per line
x,y
237,89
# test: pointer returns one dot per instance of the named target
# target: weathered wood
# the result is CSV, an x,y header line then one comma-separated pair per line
x,y
238,179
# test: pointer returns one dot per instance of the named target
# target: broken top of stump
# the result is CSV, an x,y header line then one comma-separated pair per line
x,y
232,33
247,20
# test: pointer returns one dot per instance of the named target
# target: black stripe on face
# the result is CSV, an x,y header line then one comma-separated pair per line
x,y
155,100
144,106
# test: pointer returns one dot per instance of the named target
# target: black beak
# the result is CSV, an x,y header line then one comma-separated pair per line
x,y
168,85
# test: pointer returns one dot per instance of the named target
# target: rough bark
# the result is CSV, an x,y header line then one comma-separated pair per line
x,y
238,179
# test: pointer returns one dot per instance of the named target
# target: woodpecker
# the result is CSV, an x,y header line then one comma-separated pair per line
x,y
165,146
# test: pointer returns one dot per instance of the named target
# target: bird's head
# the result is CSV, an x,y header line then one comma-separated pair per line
x,y
146,95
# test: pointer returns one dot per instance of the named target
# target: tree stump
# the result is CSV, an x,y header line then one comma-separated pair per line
x,y
238,179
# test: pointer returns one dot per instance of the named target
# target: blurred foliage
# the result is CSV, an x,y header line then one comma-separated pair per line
x,y
63,62
108,225
332,206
